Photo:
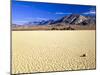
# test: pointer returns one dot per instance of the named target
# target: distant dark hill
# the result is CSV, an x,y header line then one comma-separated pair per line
x,y
43,22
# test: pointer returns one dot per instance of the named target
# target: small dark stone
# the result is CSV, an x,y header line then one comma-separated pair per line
x,y
83,55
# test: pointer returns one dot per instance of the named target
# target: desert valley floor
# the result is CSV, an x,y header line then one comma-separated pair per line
x,y
45,51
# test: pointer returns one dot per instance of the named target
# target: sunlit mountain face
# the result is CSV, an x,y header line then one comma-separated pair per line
x,y
39,13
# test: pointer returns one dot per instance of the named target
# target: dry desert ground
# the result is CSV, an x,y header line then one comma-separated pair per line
x,y
45,51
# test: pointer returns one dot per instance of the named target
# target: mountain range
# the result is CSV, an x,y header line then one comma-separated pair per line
x,y
73,19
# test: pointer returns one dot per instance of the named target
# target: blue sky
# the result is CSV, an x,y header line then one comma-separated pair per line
x,y
23,12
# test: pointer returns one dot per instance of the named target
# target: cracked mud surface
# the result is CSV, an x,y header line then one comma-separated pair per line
x,y
43,51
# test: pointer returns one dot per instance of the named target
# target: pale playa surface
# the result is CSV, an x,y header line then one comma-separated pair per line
x,y
43,51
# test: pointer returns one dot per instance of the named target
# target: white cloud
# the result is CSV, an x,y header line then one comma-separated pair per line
x,y
35,19
90,12
62,13
21,21
39,18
